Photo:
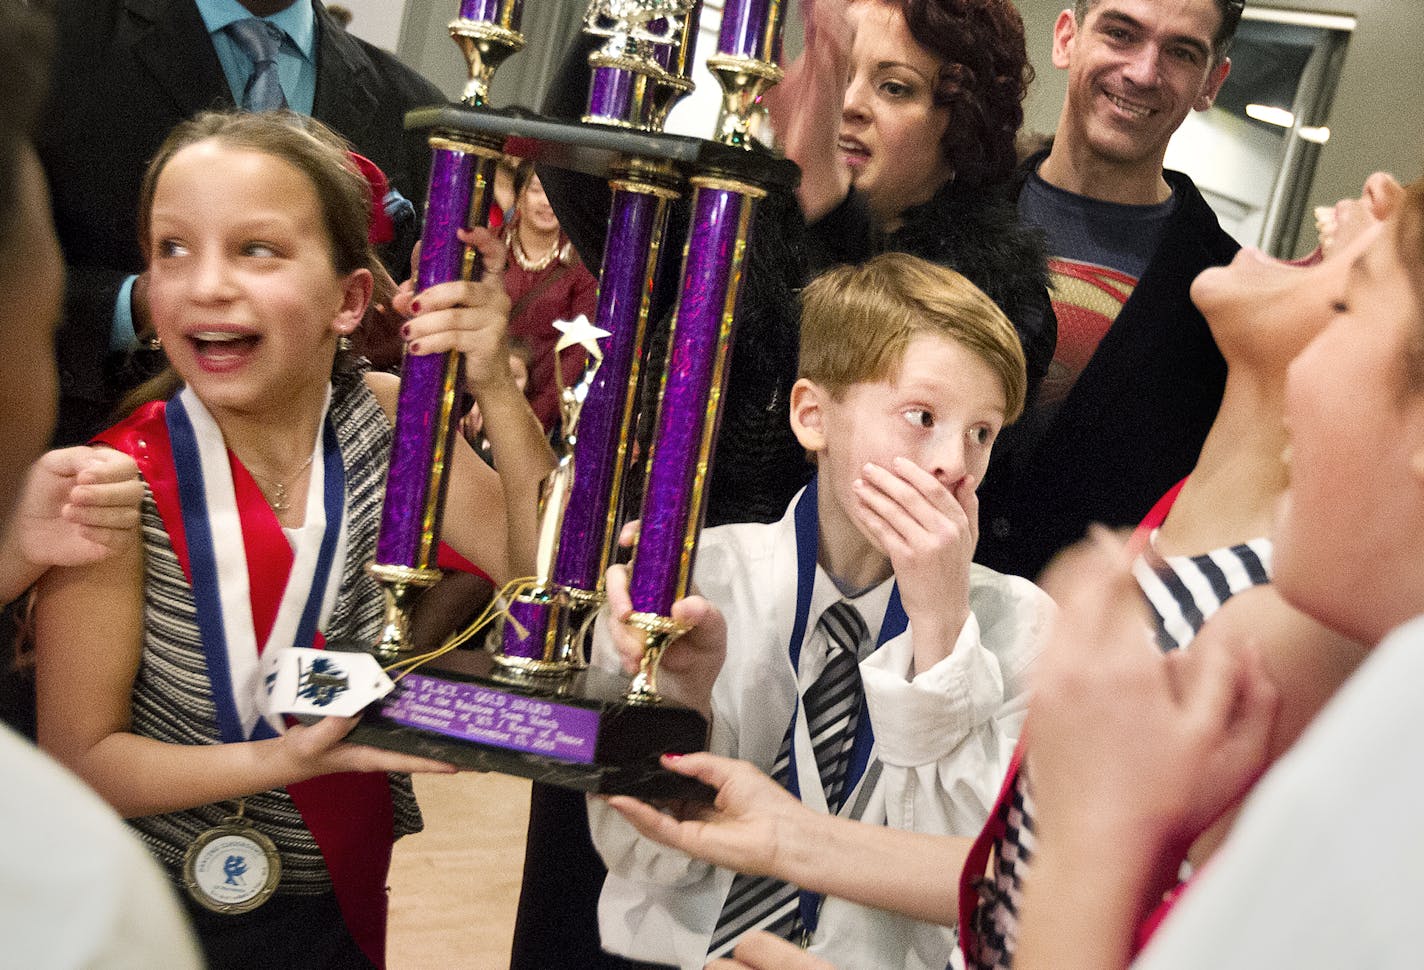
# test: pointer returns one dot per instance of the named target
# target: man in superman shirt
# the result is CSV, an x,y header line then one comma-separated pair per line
x,y
1136,377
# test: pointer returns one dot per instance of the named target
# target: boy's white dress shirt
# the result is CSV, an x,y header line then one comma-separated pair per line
x,y
944,740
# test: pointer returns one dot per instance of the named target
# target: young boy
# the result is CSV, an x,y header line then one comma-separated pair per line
x,y
907,375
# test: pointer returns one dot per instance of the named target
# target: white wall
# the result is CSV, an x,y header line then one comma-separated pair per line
x,y
1234,163
377,21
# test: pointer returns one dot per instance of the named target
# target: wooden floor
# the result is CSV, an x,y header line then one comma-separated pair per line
x,y
455,886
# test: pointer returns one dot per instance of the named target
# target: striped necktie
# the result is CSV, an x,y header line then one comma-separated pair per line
x,y
832,709
259,40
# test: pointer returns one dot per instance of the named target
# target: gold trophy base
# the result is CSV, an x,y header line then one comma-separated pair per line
x,y
400,584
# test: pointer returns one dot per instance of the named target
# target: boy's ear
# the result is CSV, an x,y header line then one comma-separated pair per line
x,y
356,291
808,414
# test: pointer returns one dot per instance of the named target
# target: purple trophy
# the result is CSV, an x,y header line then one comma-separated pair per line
x,y
550,622
690,403
460,191
531,705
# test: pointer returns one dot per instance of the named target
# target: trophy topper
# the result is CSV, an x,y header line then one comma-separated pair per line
x,y
631,24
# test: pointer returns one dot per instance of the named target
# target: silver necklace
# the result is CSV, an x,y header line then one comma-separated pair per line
x,y
278,497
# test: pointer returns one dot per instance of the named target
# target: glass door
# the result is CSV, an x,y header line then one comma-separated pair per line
x,y
1253,153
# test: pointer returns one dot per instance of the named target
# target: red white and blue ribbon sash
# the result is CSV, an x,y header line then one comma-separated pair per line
x,y
248,607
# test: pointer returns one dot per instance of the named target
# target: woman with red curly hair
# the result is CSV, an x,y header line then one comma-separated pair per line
x,y
903,115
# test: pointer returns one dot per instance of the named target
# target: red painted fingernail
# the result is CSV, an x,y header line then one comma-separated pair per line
x,y
415,347
405,330
414,306
672,757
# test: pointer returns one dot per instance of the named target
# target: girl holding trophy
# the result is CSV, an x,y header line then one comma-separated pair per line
x,y
263,478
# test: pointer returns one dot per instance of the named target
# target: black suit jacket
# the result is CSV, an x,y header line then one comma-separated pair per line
x,y
126,72
1134,422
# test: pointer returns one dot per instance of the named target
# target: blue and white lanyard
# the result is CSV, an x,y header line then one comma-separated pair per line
x,y
806,522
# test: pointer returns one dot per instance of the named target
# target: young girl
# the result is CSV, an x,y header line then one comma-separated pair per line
x,y
255,229
1314,874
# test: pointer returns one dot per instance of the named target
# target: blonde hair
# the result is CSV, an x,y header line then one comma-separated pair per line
x,y
856,322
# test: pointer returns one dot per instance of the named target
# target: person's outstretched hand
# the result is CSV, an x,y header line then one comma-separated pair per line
x,y
320,748
1123,739
690,665
750,824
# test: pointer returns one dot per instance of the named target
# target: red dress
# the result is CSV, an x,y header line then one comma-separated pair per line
x,y
574,291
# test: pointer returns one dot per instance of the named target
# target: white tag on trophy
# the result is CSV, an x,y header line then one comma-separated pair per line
x,y
324,682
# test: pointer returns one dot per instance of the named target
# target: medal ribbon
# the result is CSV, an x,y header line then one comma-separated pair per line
x,y
807,522
259,593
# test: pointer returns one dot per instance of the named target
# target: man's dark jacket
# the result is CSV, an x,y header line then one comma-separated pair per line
x,y
125,73
1134,422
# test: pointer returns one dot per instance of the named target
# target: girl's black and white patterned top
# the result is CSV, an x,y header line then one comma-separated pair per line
x,y
1183,592
172,697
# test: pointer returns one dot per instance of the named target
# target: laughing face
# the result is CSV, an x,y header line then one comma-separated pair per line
x,y
1135,68
534,208
890,126
242,287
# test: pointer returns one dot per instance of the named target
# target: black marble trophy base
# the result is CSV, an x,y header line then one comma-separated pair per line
x,y
577,731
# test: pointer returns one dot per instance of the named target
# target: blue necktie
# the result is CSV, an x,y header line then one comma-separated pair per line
x,y
260,40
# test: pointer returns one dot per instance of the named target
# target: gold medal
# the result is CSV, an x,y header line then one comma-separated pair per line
x,y
232,868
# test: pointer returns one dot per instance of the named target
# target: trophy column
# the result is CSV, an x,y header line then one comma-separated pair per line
x,y
460,191
633,86
689,405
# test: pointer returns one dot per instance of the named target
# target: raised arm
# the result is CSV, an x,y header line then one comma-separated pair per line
x,y
806,107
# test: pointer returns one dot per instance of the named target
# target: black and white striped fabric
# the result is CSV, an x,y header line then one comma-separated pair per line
x,y
834,701
172,697
831,707
1183,592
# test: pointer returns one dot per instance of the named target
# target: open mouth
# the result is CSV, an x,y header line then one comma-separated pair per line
x,y
853,151
1130,108
222,348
